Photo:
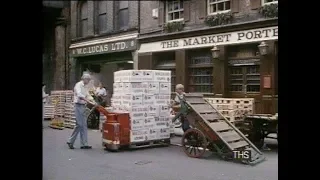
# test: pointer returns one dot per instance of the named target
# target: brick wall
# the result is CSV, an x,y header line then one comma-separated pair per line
x,y
111,18
196,10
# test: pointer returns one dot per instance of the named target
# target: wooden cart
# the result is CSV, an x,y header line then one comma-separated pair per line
x,y
259,126
213,132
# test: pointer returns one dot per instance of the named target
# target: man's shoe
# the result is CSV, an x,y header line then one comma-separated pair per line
x,y
86,147
70,145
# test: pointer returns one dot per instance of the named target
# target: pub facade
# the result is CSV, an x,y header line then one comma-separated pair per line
x,y
223,48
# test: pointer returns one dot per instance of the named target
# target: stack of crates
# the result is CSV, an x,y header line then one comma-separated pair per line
x,y
49,111
69,116
234,109
59,99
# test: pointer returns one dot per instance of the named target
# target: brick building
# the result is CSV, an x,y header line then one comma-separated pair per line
x,y
103,38
56,29
226,48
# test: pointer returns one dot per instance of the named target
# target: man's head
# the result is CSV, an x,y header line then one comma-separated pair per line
x,y
86,78
179,88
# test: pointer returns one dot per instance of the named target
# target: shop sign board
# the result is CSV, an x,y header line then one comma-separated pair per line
x,y
103,48
237,37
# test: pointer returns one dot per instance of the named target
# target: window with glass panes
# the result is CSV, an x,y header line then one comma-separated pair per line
x,y
83,21
218,6
201,72
264,2
174,10
166,61
244,69
102,16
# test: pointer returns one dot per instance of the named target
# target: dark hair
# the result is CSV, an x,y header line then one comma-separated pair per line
x,y
43,84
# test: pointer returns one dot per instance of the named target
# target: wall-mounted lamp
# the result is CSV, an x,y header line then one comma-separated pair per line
x,y
263,48
215,52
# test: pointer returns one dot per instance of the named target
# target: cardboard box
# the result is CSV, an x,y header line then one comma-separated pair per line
x,y
135,88
149,122
117,87
164,88
152,134
132,99
137,124
162,125
148,99
153,111
164,110
162,99
162,119
153,87
139,135
148,75
163,133
116,99
162,76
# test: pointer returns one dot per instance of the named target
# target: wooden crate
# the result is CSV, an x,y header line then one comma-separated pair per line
x,y
234,109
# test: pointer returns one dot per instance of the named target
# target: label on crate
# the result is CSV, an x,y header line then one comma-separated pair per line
x,y
162,76
139,135
149,122
147,75
148,99
162,99
135,88
165,88
164,110
117,87
132,100
163,133
153,88
137,124
162,119
152,134
162,124
153,111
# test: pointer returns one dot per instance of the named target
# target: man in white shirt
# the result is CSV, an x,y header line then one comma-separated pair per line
x,y
44,100
81,97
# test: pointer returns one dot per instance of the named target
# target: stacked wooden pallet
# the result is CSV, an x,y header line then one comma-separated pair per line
x,y
49,111
69,96
69,116
234,109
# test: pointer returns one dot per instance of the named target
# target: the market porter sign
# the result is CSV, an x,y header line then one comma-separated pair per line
x,y
237,37
103,48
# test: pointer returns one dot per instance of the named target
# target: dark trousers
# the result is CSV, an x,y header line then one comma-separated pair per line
x,y
185,123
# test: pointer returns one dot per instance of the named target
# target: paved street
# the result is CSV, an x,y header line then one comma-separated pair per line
x,y
162,163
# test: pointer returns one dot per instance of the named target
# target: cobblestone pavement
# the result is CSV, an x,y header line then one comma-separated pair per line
x,y
161,163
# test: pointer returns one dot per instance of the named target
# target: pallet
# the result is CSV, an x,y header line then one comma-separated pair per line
x,y
69,125
56,127
153,143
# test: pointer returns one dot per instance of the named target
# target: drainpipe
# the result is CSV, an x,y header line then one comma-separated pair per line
x,y
139,7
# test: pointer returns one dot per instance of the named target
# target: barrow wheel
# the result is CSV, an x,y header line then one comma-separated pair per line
x,y
93,120
194,143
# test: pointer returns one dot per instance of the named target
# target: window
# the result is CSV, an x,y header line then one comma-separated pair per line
x,y
174,11
245,79
83,19
264,2
218,6
102,16
244,69
201,72
123,15
167,62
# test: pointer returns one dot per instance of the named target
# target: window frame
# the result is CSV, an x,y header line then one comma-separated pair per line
x,y
273,2
118,16
97,16
214,13
81,19
179,10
